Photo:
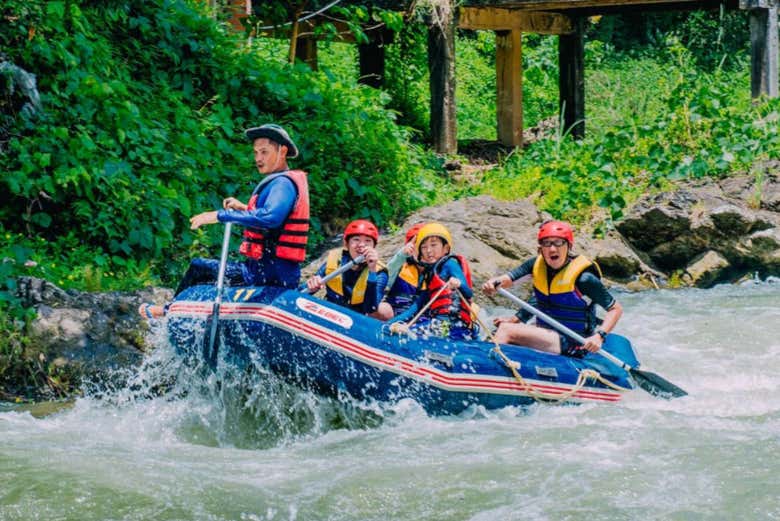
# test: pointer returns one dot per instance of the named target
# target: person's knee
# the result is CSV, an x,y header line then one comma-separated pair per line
x,y
383,312
502,335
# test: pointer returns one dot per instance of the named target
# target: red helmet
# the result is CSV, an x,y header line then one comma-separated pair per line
x,y
556,229
411,232
361,227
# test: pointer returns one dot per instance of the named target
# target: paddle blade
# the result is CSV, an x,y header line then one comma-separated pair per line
x,y
656,385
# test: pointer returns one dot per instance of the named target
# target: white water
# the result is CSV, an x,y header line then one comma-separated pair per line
x,y
189,451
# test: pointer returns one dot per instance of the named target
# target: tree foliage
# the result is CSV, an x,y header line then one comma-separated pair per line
x,y
144,106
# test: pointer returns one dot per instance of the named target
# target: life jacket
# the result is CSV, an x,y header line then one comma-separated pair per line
x,y
404,289
335,286
288,241
449,302
559,297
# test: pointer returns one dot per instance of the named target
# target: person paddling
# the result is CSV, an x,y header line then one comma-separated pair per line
x,y
362,287
445,280
403,273
567,287
276,221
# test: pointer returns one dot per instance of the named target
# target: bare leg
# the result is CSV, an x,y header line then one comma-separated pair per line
x,y
530,336
383,312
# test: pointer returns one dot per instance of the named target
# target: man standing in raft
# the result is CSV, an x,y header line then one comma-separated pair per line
x,y
567,287
276,221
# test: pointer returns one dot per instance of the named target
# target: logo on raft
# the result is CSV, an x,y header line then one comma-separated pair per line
x,y
323,312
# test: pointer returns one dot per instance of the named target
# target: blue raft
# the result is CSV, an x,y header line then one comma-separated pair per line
x,y
332,350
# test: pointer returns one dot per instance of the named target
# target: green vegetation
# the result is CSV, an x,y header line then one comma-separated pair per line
x,y
144,103
685,122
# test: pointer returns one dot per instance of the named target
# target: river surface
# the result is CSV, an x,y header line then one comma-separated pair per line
x,y
171,445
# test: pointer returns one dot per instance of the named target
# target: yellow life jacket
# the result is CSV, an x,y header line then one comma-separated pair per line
x,y
336,284
410,273
564,280
560,299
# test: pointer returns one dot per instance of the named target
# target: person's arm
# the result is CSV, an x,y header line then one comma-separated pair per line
x,y
451,269
314,284
592,287
381,285
506,280
277,201
371,299
521,271
394,266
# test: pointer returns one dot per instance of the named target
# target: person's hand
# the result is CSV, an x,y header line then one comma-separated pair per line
x,y
593,343
231,203
203,218
399,328
409,249
511,319
489,287
371,258
453,283
314,284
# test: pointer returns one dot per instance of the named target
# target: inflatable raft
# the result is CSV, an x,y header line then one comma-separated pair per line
x,y
331,350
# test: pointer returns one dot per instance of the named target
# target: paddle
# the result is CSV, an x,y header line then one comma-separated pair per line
x,y
348,266
650,382
211,353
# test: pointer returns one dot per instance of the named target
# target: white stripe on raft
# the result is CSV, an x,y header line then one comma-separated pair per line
x,y
381,359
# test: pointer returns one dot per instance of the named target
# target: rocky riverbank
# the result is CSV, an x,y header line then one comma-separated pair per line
x,y
701,234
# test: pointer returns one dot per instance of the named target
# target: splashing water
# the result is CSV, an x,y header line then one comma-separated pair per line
x,y
176,442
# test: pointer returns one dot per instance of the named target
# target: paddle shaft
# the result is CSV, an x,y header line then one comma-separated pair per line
x,y
560,327
220,284
348,266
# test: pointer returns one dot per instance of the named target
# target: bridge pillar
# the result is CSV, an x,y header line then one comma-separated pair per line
x,y
509,87
763,47
306,51
371,57
571,78
441,66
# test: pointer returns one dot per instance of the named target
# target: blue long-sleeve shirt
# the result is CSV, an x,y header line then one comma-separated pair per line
x,y
274,203
450,268
375,287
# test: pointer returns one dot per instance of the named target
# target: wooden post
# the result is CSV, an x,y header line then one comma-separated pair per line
x,y
306,51
509,87
763,47
441,66
372,64
571,79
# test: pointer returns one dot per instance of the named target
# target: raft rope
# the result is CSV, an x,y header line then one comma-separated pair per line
x,y
514,366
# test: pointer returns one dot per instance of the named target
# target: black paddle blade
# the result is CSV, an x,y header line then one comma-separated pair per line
x,y
211,338
656,385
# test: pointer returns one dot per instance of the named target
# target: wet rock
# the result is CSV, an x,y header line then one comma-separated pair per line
x,y
705,269
90,332
737,219
496,236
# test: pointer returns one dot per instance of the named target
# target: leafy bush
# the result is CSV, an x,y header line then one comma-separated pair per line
x,y
144,106
704,125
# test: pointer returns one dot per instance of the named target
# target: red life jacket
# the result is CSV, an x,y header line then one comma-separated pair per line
x,y
289,241
449,303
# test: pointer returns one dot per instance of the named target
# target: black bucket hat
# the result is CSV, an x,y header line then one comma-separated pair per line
x,y
274,133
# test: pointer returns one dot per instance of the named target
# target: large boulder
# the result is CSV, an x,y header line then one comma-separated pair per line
x,y
735,221
496,236
90,332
